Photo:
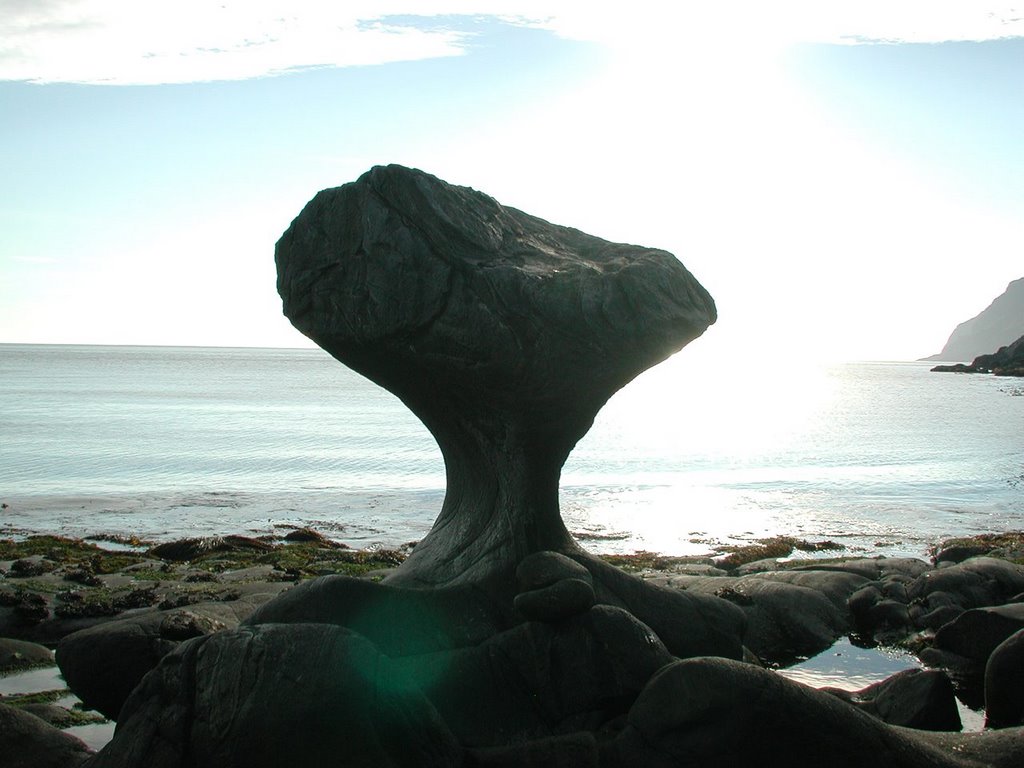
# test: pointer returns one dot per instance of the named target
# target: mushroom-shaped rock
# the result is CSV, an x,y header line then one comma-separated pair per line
x,y
503,333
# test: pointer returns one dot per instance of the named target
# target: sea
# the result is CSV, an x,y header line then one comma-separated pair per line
x,y
170,442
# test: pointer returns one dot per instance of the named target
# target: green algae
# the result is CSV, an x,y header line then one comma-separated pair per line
x,y
775,547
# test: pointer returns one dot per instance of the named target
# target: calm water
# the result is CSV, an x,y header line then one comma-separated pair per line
x,y
165,442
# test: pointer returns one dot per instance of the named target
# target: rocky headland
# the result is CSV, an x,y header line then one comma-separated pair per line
x,y
1001,321
498,640
1006,361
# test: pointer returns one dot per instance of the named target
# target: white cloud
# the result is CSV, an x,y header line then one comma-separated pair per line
x,y
125,42
128,42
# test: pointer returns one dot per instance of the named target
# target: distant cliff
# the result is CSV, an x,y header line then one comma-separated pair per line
x,y
995,327
1007,361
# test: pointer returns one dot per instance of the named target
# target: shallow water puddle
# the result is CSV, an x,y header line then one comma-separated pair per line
x,y
851,668
95,735
32,681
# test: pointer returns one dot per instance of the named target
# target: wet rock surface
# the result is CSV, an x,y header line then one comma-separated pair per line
x,y
20,654
278,695
922,699
29,742
1004,683
600,660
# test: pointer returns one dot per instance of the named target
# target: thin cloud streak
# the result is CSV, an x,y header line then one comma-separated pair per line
x,y
122,42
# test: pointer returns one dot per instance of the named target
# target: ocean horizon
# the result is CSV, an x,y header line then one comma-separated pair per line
x,y
167,442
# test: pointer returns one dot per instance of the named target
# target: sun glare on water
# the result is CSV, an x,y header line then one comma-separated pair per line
x,y
692,438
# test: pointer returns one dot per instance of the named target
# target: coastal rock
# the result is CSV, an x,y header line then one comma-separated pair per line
x,y
275,695
726,713
875,613
103,664
539,679
974,583
29,742
309,536
542,569
565,598
19,654
689,624
914,698
881,569
835,586
398,621
784,621
1006,361
571,750
404,622
503,333
1004,683
976,633
1008,545
186,550
27,567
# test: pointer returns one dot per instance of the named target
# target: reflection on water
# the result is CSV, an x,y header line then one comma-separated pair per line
x,y
95,735
32,681
849,668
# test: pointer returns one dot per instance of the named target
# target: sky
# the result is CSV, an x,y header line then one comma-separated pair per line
x,y
846,178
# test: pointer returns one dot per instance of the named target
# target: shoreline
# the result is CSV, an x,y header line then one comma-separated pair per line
x,y
390,518
51,587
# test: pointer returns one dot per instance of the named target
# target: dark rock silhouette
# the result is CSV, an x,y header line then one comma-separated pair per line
x,y
29,741
1004,683
914,698
103,664
1001,321
1006,361
503,333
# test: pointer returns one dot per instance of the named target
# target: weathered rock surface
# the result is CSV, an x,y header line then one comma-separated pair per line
x,y
26,741
725,713
403,622
503,333
789,614
539,679
914,698
976,633
19,654
103,664
1004,683
276,695
185,550
974,583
